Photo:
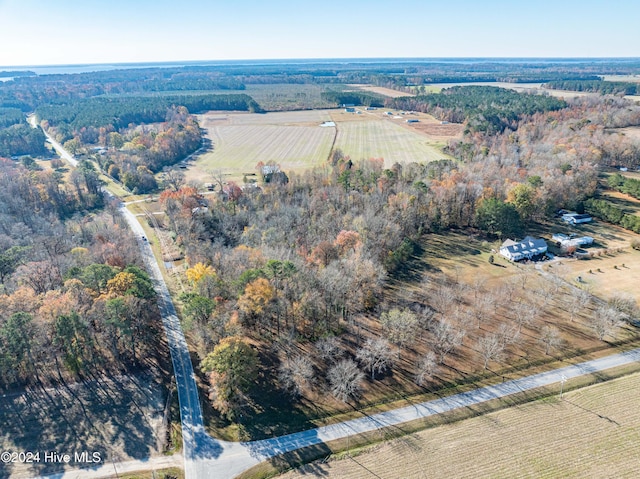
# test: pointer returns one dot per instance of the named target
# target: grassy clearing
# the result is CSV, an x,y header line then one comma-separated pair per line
x,y
369,136
381,90
297,142
294,140
607,275
592,432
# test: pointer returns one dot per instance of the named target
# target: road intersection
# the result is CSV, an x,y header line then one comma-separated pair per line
x,y
206,457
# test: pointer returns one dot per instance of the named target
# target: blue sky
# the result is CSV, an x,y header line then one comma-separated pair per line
x,y
37,32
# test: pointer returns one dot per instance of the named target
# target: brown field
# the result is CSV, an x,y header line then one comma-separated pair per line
x,y
630,131
591,433
608,275
381,90
625,78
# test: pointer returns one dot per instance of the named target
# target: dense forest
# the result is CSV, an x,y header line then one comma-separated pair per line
x,y
74,301
120,112
21,139
596,86
353,98
482,108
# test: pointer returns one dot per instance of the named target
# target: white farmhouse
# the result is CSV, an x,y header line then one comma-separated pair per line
x,y
526,249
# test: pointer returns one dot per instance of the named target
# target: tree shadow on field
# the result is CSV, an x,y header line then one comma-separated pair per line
x,y
118,418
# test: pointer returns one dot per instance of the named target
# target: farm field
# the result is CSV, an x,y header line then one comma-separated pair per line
x,y
591,433
370,136
241,140
296,141
381,90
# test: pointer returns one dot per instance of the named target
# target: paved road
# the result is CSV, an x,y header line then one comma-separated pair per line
x,y
205,457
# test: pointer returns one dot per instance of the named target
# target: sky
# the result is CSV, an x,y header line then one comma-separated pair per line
x,y
54,32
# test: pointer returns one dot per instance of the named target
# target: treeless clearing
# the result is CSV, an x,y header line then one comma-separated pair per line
x,y
593,432
294,140
630,131
369,136
606,276
381,90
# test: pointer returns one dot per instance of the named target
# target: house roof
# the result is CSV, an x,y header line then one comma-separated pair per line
x,y
528,245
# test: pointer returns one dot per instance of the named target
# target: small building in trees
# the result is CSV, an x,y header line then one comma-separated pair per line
x,y
576,218
528,248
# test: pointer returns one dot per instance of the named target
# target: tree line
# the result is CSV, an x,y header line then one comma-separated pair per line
x,y
594,85
626,185
608,211
120,112
352,98
484,109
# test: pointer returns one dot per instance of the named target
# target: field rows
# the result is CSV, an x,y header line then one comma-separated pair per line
x,y
384,139
593,433
239,148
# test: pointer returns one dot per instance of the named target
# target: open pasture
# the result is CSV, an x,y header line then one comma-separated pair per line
x,y
380,90
608,275
368,136
294,140
592,432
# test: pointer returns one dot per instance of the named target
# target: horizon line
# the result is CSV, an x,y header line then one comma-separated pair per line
x,y
320,60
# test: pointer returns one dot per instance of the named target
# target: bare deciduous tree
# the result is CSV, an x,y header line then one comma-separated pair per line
x,y
550,338
345,380
376,355
606,321
328,349
491,348
172,178
524,315
447,338
295,374
427,367
508,334
443,298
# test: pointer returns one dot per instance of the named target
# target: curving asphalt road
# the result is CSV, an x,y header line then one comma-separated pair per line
x,y
205,457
